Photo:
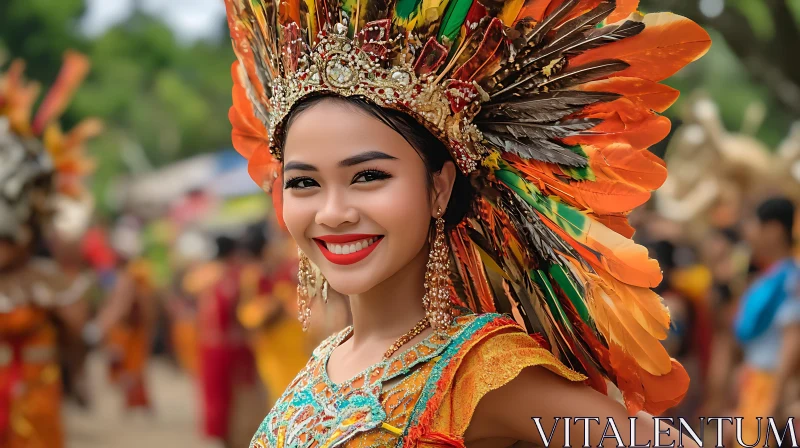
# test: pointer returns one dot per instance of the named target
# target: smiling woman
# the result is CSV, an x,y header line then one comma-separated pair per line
x,y
462,171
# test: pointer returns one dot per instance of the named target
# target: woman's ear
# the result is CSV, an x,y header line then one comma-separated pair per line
x,y
443,186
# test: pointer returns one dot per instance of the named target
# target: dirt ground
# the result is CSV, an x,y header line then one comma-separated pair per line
x,y
173,424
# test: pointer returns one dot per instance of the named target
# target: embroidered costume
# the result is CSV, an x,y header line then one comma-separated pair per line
x,y
412,400
39,166
548,106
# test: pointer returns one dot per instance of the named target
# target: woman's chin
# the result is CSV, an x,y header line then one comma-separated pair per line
x,y
349,285
351,281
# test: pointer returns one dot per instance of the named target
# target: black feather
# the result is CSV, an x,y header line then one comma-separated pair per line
x,y
544,107
541,150
548,23
580,24
527,42
583,74
538,131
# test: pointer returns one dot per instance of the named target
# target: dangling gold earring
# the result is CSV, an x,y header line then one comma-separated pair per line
x,y
437,281
309,279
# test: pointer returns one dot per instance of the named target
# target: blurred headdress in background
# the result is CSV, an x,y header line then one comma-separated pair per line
x,y
42,168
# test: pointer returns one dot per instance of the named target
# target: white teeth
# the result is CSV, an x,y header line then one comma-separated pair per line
x,y
344,249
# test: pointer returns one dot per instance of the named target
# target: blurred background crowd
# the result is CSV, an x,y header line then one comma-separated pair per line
x,y
187,309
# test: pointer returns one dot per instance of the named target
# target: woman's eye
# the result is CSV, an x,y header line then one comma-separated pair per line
x,y
370,176
299,183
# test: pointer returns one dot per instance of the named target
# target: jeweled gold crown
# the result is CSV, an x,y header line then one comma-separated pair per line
x,y
340,65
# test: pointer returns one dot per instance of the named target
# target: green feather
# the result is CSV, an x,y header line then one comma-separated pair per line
x,y
406,12
571,290
453,19
579,173
568,218
350,7
541,279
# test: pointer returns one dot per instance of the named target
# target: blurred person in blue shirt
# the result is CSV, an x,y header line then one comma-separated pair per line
x,y
767,324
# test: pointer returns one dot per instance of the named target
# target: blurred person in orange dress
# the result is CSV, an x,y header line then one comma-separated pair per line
x,y
227,367
191,254
39,306
126,321
267,310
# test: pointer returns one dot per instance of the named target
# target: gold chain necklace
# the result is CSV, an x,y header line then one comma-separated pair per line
x,y
414,332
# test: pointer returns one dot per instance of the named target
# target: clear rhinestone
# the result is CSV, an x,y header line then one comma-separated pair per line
x,y
340,29
401,77
340,74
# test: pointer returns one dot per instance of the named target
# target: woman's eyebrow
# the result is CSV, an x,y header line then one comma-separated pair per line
x,y
299,166
366,157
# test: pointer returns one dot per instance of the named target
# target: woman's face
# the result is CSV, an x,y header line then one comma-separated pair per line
x,y
356,198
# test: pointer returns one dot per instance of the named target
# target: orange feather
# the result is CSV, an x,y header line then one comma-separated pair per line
x,y
74,70
668,43
289,11
582,7
609,251
86,129
602,196
249,135
617,223
527,9
624,9
643,391
263,169
633,320
643,93
621,125
618,161
241,47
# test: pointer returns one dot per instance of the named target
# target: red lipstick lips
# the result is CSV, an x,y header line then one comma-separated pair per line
x,y
351,258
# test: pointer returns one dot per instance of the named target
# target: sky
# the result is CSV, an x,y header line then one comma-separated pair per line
x,y
191,19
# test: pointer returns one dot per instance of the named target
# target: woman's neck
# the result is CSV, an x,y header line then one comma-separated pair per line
x,y
393,307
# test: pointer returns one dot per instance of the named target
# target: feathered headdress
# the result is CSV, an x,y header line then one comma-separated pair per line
x,y
37,160
548,105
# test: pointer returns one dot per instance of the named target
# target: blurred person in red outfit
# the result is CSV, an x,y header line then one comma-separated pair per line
x,y
40,307
227,366
126,321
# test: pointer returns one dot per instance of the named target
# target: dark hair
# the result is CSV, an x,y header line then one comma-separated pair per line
x,y
780,210
433,152
254,239
226,246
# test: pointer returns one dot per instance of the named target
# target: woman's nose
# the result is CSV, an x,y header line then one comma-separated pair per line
x,y
336,211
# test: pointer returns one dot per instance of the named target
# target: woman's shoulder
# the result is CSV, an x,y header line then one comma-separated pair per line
x,y
496,341
486,352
